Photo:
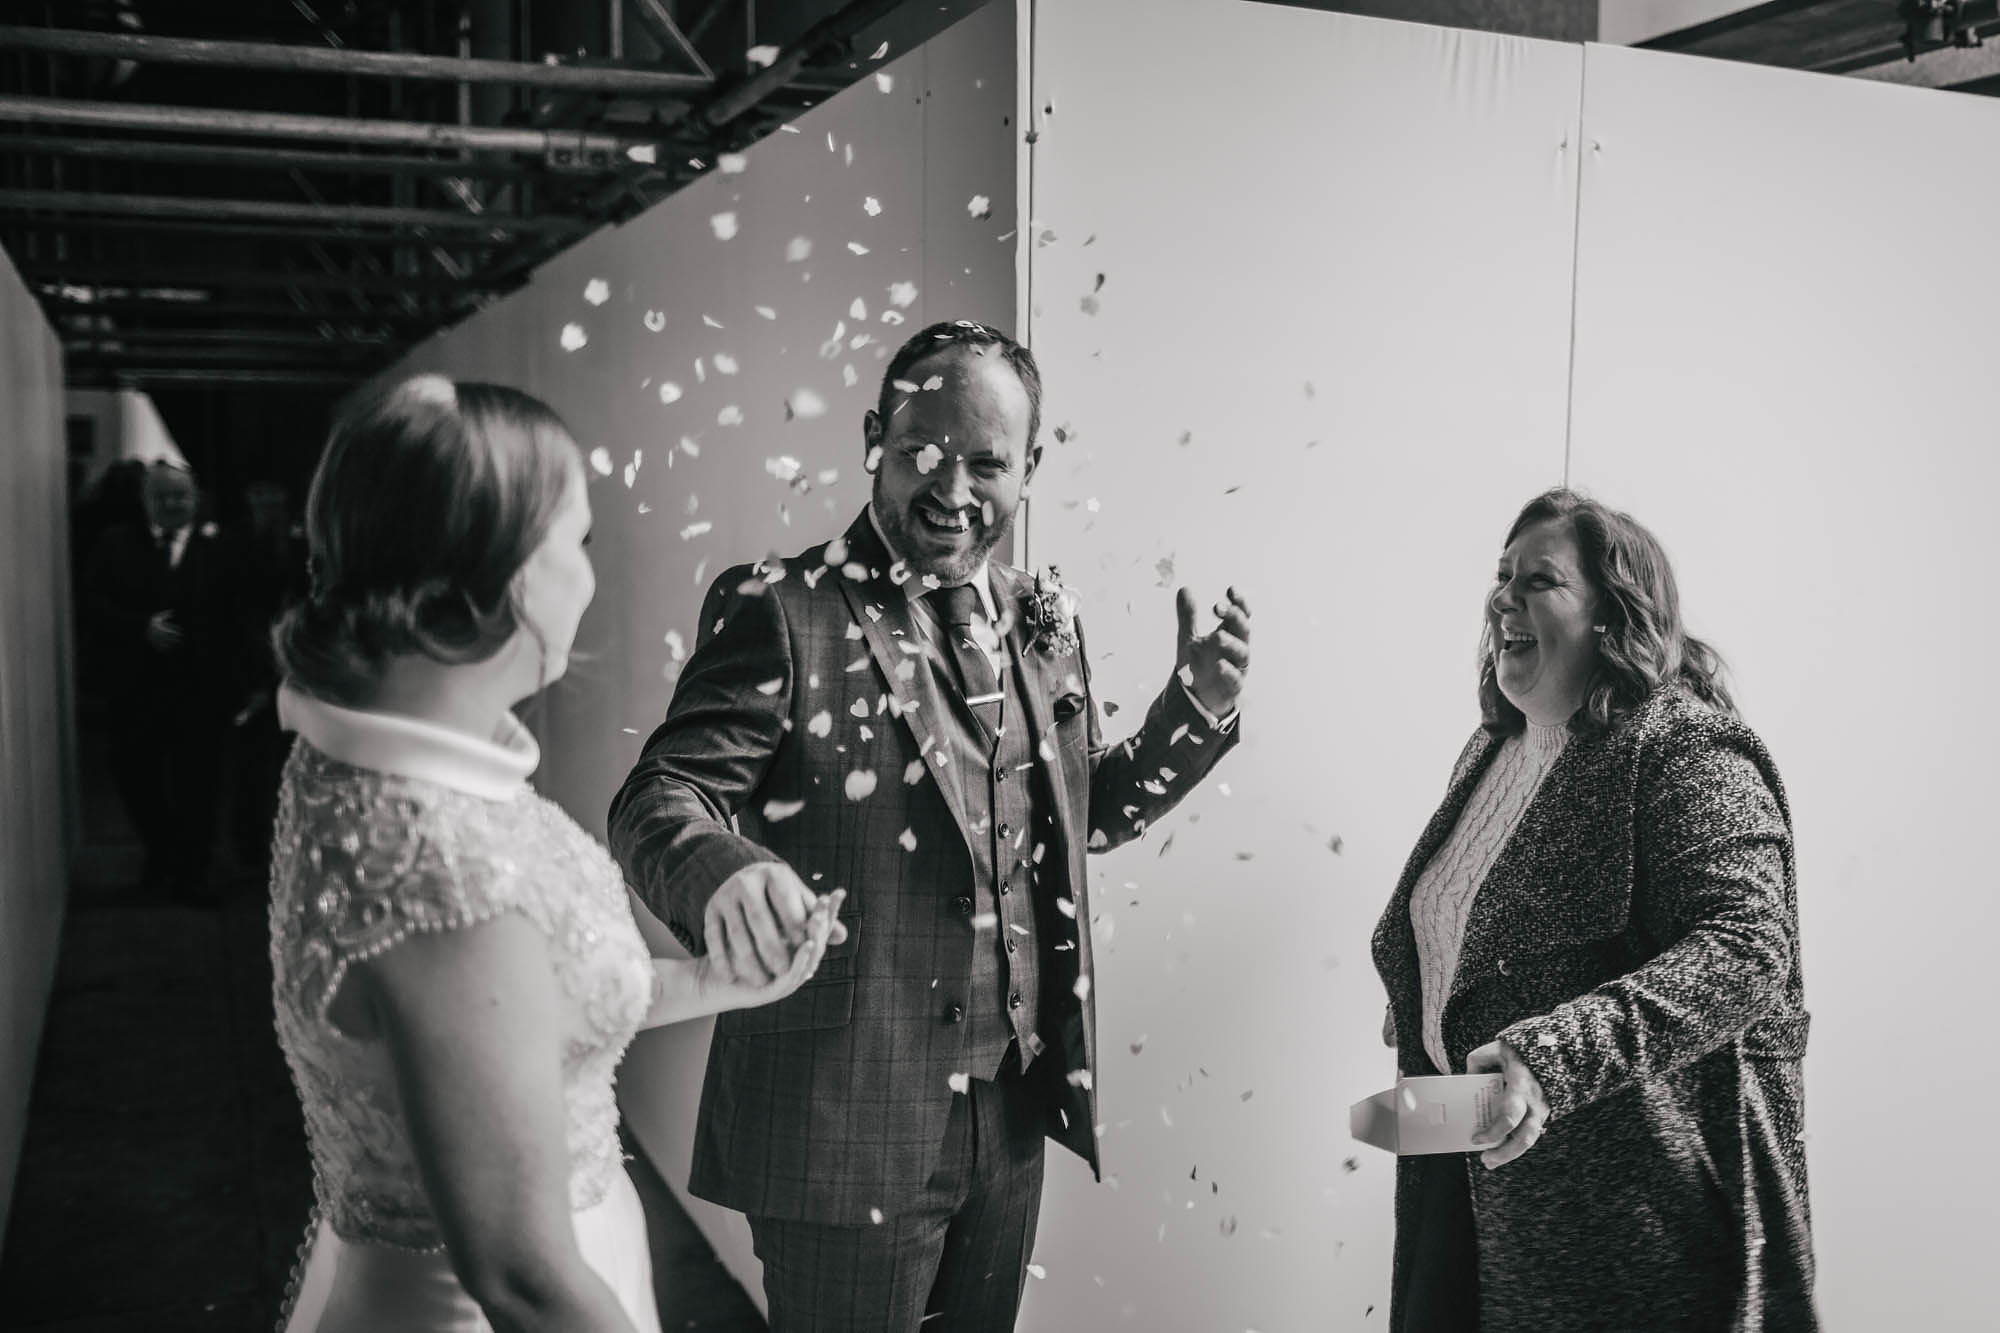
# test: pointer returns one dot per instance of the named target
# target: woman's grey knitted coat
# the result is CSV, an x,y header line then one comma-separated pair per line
x,y
1637,943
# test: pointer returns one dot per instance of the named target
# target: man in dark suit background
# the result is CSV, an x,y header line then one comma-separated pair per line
x,y
158,606
896,714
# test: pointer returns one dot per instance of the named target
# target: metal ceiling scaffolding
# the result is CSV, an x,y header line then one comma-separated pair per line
x,y
172,237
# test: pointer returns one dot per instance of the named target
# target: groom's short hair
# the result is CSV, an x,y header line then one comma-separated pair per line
x,y
951,335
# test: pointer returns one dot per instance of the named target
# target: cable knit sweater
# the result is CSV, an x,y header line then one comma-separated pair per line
x,y
1441,902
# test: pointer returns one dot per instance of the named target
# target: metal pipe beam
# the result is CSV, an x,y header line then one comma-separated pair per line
x,y
236,337
85,377
253,156
611,80
267,210
836,27
656,19
247,230
551,144
70,305
87,354
152,278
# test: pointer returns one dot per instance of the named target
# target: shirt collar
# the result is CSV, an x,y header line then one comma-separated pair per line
x,y
496,769
915,587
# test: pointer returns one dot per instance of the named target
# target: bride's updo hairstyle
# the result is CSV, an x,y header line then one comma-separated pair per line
x,y
429,499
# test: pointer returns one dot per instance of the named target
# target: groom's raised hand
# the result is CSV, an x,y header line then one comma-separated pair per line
x,y
757,918
1213,665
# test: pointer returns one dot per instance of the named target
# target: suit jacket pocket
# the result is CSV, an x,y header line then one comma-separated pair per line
x,y
826,1001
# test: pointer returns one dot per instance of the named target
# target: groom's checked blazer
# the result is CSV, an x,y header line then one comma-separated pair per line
x,y
832,1102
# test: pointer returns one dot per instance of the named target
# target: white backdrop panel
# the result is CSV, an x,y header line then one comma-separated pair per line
x,y
1307,329
1790,381
848,236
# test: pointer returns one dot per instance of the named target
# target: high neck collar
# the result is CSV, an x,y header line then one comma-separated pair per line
x,y
495,769
1545,741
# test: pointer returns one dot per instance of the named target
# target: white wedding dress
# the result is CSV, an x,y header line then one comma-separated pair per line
x,y
388,826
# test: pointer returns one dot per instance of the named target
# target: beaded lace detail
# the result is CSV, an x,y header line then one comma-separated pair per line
x,y
364,859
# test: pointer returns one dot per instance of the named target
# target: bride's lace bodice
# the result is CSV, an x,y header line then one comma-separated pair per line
x,y
362,859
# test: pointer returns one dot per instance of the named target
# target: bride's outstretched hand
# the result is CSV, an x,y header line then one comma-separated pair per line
x,y
722,990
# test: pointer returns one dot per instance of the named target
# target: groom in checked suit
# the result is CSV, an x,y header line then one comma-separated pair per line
x,y
895,714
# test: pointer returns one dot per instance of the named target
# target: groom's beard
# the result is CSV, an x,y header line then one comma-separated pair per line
x,y
907,545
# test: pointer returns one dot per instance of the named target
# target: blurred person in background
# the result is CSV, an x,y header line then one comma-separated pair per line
x,y
158,606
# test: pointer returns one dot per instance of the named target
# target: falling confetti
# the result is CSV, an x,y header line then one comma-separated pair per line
x,y
732,164
573,337
872,206
798,250
762,56
885,82
934,383
928,457
807,404
784,467
857,247
655,320
600,461
875,1216
777,810
724,225
1139,1043
597,291
725,363
880,51
860,784
731,415
959,1083
902,293
670,392
908,839
979,206
1037,1271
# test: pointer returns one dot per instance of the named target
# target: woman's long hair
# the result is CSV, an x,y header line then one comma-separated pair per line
x,y
1644,644
429,499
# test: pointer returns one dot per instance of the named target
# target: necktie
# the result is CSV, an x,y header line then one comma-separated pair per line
x,y
957,607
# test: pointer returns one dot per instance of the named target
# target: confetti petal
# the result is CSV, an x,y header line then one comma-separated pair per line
x,y
573,337
600,461
979,206
909,840
799,249
597,291
732,164
820,724
724,225
762,56
860,784
655,320
777,810
670,392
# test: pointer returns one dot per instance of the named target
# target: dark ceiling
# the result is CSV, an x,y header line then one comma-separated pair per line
x,y
295,191
1836,36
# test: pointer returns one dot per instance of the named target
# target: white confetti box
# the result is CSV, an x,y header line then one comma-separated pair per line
x,y
1434,1114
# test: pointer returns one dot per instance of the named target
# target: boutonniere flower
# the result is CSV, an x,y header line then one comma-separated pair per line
x,y
1050,614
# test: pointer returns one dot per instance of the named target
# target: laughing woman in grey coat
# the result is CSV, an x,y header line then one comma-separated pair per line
x,y
1603,911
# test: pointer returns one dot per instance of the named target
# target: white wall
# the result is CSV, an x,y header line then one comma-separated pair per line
x,y
37,752
942,133
1341,275
1793,383
1782,352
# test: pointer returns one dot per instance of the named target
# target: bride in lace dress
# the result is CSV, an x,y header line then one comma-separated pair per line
x,y
457,968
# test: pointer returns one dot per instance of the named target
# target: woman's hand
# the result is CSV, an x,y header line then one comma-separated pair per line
x,y
720,988
1523,1110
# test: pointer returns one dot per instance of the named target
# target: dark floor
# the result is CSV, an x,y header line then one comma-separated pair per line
x,y
164,1183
